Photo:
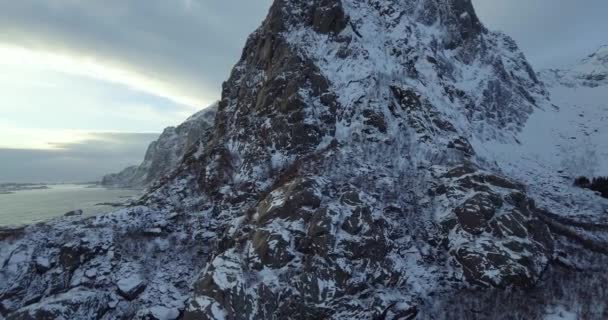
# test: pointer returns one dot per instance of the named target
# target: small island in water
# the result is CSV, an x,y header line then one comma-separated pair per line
x,y
9,188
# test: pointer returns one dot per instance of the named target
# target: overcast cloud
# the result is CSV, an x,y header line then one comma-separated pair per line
x,y
552,33
156,61
189,45
83,161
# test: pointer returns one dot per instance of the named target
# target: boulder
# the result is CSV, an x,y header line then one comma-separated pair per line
x,y
42,264
131,286
73,213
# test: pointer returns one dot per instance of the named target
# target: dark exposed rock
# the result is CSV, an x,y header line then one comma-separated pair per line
x,y
329,17
407,98
460,171
499,181
71,256
73,213
493,229
287,201
476,264
462,145
319,234
359,220
512,224
351,198
375,120
7,233
474,214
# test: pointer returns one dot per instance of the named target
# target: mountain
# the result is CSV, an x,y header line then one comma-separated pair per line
x,y
591,72
165,153
580,95
563,140
369,159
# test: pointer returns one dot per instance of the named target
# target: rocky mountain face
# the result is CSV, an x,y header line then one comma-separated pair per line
x,y
165,154
355,169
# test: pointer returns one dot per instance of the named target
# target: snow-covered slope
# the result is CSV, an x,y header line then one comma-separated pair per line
x,y
366,162
564,140
580,95
164,154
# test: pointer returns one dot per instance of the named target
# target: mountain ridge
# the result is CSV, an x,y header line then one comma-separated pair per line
x,y
165,153
591,71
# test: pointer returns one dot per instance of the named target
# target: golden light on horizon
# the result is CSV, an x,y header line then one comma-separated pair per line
x,y
94,68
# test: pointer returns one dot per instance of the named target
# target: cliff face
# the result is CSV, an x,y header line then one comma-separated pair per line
x,y
354,170
164,154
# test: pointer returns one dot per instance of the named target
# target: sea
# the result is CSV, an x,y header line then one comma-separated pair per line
x,y
32,206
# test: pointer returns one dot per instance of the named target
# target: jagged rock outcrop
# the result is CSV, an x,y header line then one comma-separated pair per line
x,y
165,154
349,174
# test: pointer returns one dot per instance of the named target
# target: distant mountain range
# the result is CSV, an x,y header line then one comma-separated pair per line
x,y
7,188
591,72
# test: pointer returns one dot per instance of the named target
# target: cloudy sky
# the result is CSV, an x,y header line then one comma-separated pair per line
x,y
86,84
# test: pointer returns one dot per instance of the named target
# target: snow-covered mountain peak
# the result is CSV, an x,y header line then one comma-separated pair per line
x,y
457,15
166,153
564,141
206,115
595,63
333,104
591,72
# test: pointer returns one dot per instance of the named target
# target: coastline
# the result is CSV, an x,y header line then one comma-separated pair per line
x,y
32,205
